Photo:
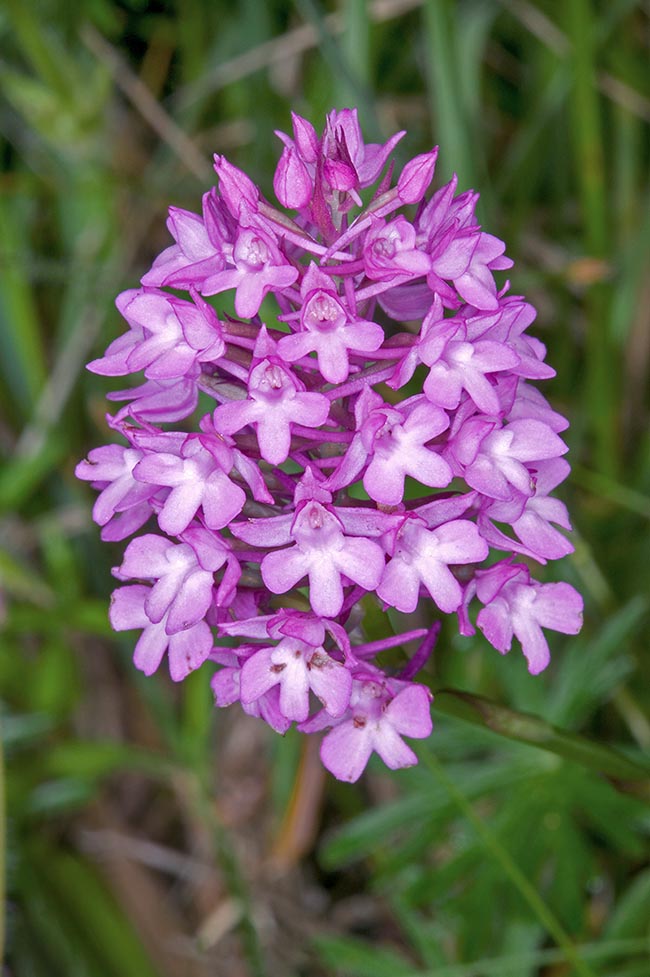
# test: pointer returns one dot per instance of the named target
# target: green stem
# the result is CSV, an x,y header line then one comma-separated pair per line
x,y
449,122
233,876
606,488
528,892
600,368
39,49
356,39
21,345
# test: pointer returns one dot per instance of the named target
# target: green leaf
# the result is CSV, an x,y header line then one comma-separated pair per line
x,y
97,920
56,683
449,121
55,797
89,759
537,732
22,730
21,476
419,810
19,582
590,672
349,957
22,360
630,916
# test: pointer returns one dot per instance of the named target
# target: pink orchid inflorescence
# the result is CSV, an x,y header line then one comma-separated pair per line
x,y
371,429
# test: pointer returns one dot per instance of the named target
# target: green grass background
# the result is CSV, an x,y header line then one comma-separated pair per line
x,y
145,835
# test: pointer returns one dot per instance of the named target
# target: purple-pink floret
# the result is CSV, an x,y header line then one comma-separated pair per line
x,y
362,424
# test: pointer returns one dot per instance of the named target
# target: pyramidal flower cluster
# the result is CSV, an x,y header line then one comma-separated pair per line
x,y
340,405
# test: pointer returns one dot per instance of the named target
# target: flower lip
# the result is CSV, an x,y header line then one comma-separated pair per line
x,y
323,312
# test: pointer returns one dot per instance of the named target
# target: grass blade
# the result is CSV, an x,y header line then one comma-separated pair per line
x,y
527,891
531,729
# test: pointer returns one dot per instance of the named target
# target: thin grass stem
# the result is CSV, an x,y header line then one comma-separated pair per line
x,y
232,873
527,891
600,377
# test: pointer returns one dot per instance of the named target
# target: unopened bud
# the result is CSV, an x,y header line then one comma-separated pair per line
x,y
235,186
340,174
292,183
306,138
416,176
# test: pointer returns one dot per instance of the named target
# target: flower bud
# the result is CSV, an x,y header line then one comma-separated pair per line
x,y
292,183
416,176
340,174
306,138
235,186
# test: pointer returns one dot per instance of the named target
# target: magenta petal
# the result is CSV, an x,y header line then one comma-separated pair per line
x,y
180,508
559,607
188,650
248,297
230,418
150,648
416,176
125,523
311,409
274,436
478,290
119,495
331,683
400,586
392,748
274,531
146,557
294,692
225,686
257,675
222,501
533,644
282,569
268,709
384,481
162,595
171,363
486,478
540,537
160,469
362,561
441,584
191,602
535,441
292,348
292,183
127,608
459,541
410,712
208,548
345,751
496,624
325,588
333,360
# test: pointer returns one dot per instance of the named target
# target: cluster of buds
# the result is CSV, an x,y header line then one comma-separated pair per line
x,y
358,419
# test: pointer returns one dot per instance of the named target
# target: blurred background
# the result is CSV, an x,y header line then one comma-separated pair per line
x,y
147,836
